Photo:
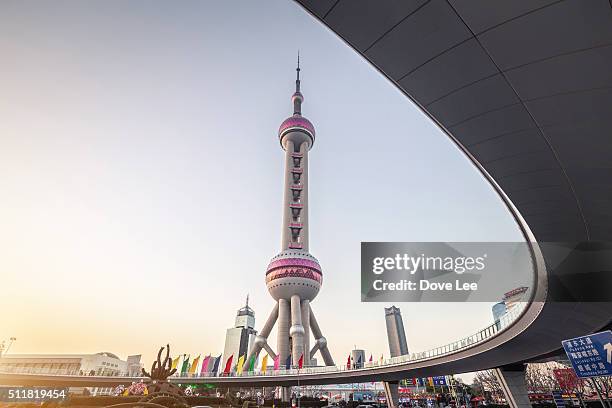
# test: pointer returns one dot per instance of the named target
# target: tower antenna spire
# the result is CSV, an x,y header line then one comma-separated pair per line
x,y
297,70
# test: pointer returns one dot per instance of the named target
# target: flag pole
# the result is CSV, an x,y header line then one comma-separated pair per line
x,y
298,384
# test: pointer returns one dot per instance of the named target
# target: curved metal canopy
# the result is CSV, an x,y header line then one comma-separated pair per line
x,y
524,88
524,85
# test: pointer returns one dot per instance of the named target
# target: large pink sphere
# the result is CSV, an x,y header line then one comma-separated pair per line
x,y
294,272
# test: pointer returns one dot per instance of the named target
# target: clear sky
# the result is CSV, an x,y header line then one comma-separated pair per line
x,y
141,176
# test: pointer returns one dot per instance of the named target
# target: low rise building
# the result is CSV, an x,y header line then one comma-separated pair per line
x,y
104,363
100,364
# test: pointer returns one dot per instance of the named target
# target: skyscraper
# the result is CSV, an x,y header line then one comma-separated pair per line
x,y
395,332
239,339
499,309
294,276
510,300
358,358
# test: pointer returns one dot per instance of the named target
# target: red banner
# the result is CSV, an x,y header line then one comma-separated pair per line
x,y
566,377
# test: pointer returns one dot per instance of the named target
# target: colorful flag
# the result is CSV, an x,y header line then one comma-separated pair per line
x,y
348,362
301,361
240,364
228,365
358,363
381,359
205,364
264,364
277,362
185,366
370,358
288,362
252,363
175,362
194,365
216,365
430,381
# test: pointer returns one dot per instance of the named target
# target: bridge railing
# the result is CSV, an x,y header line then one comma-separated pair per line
x,y
466,342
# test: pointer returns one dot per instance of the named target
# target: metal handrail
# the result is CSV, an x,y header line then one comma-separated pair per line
x,y
450,348
469,341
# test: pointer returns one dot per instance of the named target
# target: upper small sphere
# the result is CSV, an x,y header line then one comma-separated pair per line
x,y
297,95
296,123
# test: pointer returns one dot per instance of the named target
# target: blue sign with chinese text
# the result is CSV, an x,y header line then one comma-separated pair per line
x,y
439,380
591,356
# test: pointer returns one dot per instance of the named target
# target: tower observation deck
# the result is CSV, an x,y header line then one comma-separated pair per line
x,y
294,277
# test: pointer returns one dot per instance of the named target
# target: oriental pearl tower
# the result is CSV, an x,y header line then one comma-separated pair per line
x,y
294,276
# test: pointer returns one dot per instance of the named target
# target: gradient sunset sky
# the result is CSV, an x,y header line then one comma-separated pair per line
x,y
141,177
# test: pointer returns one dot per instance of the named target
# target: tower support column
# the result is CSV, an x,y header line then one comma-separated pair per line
x,y
282,342
321,341
261,340
306,324
297,330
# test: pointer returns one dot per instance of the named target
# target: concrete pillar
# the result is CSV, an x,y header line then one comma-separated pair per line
x,y
314,349
267,328
286,394
306,324
282,341
269,350
297,330
321,341
261,340
392,393
512,381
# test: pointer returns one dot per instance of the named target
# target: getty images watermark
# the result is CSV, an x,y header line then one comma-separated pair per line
x,y
412,264
485,271
442,272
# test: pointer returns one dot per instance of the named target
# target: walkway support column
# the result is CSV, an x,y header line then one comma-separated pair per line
x,y
512,381
391,393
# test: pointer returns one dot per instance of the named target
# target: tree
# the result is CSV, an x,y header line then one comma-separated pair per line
x,y
488,382
540,377
602,385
